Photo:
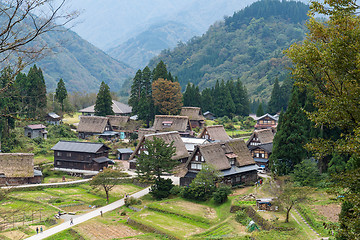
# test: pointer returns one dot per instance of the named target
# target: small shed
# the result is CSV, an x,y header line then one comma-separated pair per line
x,y
209,115
36,130
266,204
53,119
124,153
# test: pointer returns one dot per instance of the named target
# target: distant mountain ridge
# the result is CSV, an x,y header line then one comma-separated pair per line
x,y
247,45
81,65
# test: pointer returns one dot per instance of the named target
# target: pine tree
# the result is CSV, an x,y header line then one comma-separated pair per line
x,y
61,93
275,102
207,100
103,104
290,138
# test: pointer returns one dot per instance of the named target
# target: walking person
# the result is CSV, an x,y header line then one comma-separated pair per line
x,y
37,230
101,213
41,229
71,221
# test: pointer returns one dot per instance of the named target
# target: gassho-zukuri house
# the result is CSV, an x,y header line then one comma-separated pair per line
x,y
232,158
181,154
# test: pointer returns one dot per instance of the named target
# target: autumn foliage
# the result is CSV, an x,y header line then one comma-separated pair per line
x,y
167,96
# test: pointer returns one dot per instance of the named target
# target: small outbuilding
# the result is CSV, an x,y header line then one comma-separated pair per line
x,y
209,115
124,153
53,119
35,131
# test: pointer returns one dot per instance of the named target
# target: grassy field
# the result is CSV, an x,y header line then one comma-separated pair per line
x,y
71,119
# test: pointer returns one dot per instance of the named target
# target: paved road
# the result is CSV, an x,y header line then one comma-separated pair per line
x,y
87,216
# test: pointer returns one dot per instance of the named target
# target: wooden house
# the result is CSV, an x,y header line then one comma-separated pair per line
x,y
266,121
168,123
35,131
18,169
209,115
232,158
196,118
260,145
53,119
181,154
84,156
120,109
214,133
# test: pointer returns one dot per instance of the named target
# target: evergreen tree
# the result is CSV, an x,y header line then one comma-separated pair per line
x,y
275,102
146,108
135,92
35,89
103,104
160,71
61,93
187,96
207,100
260,110
290,138
191,96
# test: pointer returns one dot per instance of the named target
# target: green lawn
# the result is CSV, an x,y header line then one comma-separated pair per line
x,y
74,118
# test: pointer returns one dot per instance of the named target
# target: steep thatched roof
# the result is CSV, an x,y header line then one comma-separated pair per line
x,y
17,164
168,137
264,136
92,124
238,147
194,113
171,123
118,121
217,154
145,131
215,132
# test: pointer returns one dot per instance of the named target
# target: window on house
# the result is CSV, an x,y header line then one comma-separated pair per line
x,y
58,154
232,161
58,163
68,154
263,155
167,123
196,166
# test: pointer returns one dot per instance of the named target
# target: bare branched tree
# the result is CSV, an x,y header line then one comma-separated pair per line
x,y
21,24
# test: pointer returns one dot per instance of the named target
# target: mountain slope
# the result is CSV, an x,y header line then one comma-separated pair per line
x,y
80,64
138,51
247,45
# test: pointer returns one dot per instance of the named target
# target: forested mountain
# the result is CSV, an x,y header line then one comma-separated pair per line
x,y
248,45
138,51
81,65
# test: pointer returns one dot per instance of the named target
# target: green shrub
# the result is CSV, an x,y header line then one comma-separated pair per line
x,y
161,188
221,194
197,192
61,131
242,217
132,201
176,190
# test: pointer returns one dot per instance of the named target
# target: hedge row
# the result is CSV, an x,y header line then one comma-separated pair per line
x,y
264,224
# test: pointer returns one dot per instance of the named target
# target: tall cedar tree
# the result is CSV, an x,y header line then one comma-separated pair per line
x,y
35,89
260,110
146,109
167,96
61,93
207,100
192,96
9,103
290,138
135,93
160,71
275,102
103,104
157,159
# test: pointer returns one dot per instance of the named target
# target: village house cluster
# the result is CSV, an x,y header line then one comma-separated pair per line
x,y
237,161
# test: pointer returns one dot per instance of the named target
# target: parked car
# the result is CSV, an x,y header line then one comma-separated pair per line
x,y
261,170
